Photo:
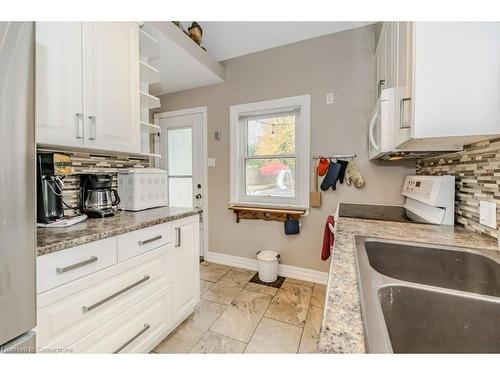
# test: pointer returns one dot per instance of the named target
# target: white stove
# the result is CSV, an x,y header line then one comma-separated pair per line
x,y
429,199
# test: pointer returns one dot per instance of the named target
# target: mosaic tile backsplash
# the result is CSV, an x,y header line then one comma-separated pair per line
x,y
84,162
477,178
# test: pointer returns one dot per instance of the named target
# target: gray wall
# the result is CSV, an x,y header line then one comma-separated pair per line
x,y
341,63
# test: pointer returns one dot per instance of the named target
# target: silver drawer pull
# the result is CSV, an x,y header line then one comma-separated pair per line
x,y
177,237
91,307
92,259
146,327
152,239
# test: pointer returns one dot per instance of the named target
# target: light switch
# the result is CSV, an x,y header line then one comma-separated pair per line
x,y
488,214
329,98
211,162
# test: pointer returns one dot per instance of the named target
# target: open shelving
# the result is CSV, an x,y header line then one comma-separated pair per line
x,y
149,49
153,129
148,46
149,101
148,73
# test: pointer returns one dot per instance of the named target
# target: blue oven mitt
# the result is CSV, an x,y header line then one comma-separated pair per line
x,y
331,177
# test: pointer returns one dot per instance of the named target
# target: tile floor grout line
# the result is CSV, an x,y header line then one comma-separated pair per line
x,y
208,329
257,326
304,328
246,344
264,316
227,337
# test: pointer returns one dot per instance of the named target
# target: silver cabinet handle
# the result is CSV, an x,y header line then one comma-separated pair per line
x,y
79,131
92,136
92,259
380,84
91,307
149,240
402,123
146,327
177,237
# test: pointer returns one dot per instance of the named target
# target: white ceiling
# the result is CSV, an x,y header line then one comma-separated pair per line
x,y
225,40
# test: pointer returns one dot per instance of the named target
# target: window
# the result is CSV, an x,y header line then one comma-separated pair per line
x,y
270,153
180,167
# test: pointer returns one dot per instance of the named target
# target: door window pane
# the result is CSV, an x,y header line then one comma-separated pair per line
x,y
180,151
180,192
270,177
271,136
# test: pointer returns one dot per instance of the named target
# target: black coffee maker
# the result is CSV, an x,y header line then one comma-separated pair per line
x,y
97,198
51,169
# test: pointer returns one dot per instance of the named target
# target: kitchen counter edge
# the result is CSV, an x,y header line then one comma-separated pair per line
x,y
50,240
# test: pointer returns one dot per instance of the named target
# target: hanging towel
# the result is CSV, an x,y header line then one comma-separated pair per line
x,y
352,175
328,238
331,177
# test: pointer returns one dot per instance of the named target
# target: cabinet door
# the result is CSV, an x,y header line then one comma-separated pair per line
x,y
380,58
186,267
404,82
111,86
59,106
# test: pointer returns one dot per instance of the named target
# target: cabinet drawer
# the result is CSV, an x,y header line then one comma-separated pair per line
x,y
135,331
64,322
67,265
143,240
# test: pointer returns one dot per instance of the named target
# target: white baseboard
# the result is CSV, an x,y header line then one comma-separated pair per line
x,y
283,269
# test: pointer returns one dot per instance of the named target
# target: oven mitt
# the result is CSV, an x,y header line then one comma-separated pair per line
x,y
323,166
352,175
331,177
343,164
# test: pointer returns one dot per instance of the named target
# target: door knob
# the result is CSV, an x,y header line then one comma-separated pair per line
x,y
198,196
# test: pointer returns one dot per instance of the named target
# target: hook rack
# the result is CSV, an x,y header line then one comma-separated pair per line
x,y
337,156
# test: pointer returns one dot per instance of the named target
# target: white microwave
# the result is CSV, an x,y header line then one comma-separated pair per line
x,y
382,131
381,128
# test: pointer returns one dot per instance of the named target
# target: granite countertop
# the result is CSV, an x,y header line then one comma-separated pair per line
x,y
50,240
342,326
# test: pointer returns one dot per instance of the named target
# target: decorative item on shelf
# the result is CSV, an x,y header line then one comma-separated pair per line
x,y
268,214
195,32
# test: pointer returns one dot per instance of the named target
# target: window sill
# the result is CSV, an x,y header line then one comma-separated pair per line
x,y
265,213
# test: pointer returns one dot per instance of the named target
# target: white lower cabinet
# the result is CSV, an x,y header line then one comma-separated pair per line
x,y
132,330
185,267
128,307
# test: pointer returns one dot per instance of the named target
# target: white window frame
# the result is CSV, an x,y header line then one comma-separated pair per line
x,y
238,139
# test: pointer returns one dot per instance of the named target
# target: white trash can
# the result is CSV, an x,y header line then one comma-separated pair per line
x,y
268,265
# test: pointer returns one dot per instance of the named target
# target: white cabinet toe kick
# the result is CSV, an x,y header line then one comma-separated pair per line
x,y
123,294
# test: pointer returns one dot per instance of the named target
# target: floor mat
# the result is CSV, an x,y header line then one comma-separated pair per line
x,y
277,284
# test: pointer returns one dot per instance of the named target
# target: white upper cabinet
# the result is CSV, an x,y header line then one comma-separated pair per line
x,y
88,85
448,84
111,86
59,85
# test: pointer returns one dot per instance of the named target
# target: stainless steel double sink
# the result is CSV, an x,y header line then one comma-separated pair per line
x,y
423,298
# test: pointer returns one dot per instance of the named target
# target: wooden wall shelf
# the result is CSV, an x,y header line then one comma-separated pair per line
x,y
261,213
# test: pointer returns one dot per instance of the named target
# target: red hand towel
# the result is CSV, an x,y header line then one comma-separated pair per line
x,y
328,238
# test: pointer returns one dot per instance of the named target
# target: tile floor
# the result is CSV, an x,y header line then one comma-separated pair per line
x,y
235,316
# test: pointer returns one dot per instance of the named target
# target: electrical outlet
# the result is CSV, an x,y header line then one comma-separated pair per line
x,y
329,98
488,214
211,162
